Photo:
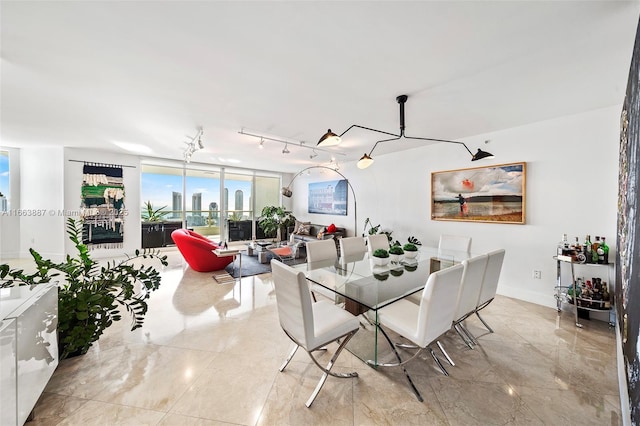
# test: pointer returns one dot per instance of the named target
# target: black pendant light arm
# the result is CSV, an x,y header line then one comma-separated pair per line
x,y
441,140
367,128
384,140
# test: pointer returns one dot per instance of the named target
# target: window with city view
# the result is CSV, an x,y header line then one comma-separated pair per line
x,y
4,181
211,196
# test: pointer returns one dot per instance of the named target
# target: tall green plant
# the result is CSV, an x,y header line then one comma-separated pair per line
x,y
274,218
91,297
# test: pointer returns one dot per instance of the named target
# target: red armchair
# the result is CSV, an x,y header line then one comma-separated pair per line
x,y
198,251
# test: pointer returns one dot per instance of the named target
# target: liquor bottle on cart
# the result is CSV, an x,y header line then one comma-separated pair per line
x,y
595,257
604,257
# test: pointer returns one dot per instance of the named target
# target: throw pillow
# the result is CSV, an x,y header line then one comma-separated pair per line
x,y
303,229
297,225
331,228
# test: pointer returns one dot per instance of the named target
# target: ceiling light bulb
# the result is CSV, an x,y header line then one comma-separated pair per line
x,y
261,146
364,162
329,139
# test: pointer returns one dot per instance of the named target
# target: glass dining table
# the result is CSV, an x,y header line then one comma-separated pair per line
x,y
365,287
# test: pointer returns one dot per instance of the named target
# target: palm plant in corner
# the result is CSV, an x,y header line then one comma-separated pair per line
x,y
91,297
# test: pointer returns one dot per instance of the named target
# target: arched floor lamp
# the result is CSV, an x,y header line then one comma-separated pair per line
x,y
286,191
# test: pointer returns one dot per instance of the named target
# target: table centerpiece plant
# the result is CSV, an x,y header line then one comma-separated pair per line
x,y
410,250
396,253
91,297
380,257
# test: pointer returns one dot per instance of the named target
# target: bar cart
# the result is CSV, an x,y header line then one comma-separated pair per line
x,y
571,290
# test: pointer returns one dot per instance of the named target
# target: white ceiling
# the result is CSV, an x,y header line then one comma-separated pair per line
x,y
91,73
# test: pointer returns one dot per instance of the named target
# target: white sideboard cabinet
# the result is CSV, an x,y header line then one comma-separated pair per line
x,y
28,348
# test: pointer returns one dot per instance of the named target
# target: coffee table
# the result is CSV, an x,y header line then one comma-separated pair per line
x,y
284,252
260,247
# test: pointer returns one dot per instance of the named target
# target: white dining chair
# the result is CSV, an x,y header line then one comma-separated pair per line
x,y
352,246
319,254
423,324
470,287
310,325
377,241
321,250
490,282
455,243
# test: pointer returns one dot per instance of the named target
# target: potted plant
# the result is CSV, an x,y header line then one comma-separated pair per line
x,y
152,225
274,220
380,257
396,253
150,214
91,297
410,250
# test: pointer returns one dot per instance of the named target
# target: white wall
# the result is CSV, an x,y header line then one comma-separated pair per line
x,y
42,190
571,187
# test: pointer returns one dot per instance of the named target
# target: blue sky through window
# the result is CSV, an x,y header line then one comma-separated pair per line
x,y
159,188
4,173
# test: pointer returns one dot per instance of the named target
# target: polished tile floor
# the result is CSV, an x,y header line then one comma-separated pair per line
x,y
209,355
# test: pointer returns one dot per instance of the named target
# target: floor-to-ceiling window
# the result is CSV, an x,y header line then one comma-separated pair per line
x,y
210,199
4,181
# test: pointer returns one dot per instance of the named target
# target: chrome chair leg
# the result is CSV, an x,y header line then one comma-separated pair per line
x,y
469,334
327,370
464,338
291,354
445,353
437,360
484,322
401,364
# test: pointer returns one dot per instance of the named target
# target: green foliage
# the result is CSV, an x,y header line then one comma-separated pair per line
x,y
414,240
90,296
235,216
396,250
273,218
410,247
149,214
373,230
380,253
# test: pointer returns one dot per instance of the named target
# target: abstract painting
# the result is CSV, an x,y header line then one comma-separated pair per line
x,y
481,194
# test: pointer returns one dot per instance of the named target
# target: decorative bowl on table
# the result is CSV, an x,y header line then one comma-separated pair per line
x,y
410,254
380,261
380,257
410,250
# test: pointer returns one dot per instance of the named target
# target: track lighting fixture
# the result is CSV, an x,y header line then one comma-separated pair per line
x,y
367,160
261,146
300,144
193,145
285,150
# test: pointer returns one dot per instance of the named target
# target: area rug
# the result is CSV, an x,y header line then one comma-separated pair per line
x,y
251,266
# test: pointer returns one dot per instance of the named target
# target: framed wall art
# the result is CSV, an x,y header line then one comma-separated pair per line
x,y
328,197
481,194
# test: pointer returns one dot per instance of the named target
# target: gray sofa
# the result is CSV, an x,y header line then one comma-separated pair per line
x,y
314,230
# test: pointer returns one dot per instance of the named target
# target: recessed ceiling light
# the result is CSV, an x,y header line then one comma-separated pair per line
x,y
228,160
133,147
